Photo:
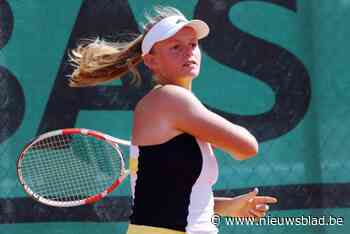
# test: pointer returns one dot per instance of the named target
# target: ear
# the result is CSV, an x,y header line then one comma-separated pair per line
x,y
150,61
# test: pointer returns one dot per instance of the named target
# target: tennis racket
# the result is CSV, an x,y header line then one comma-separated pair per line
x,y
71,167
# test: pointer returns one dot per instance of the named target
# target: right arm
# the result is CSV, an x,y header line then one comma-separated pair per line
x,y
184,112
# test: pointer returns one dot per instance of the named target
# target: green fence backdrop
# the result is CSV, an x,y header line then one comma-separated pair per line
x,y
278,67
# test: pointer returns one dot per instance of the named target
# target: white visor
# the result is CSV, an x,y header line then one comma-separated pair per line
x,y
170,26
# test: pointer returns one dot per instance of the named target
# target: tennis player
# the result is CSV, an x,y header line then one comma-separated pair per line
x,y
172,160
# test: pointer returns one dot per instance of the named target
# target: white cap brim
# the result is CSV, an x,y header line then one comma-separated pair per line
x,y
168,27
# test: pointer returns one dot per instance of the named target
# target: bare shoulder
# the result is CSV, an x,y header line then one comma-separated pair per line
x,y
151,123
174,99
165,97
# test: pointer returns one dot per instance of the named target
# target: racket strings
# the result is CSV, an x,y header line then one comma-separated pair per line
x,y
70,167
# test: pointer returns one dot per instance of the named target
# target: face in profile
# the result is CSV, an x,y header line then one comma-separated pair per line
x,y
177,57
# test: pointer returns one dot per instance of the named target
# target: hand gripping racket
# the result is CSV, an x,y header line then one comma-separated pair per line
x,y
71,167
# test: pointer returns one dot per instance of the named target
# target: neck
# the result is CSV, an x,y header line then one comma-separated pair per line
x,y
184,82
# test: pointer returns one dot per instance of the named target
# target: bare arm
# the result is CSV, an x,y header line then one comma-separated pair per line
x,y
246,205
184,112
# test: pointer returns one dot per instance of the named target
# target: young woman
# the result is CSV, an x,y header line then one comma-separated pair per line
x,y
173,164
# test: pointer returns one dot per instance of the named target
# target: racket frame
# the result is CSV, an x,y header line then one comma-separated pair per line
x,y
114,142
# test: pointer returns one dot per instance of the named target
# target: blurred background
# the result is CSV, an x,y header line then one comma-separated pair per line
x,y
279,68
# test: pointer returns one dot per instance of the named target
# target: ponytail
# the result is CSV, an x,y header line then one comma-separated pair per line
x,y
100,62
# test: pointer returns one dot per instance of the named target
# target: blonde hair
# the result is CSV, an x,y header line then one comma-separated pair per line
x,y
99,61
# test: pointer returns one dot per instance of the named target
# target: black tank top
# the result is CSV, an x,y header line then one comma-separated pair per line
x,y
166,178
